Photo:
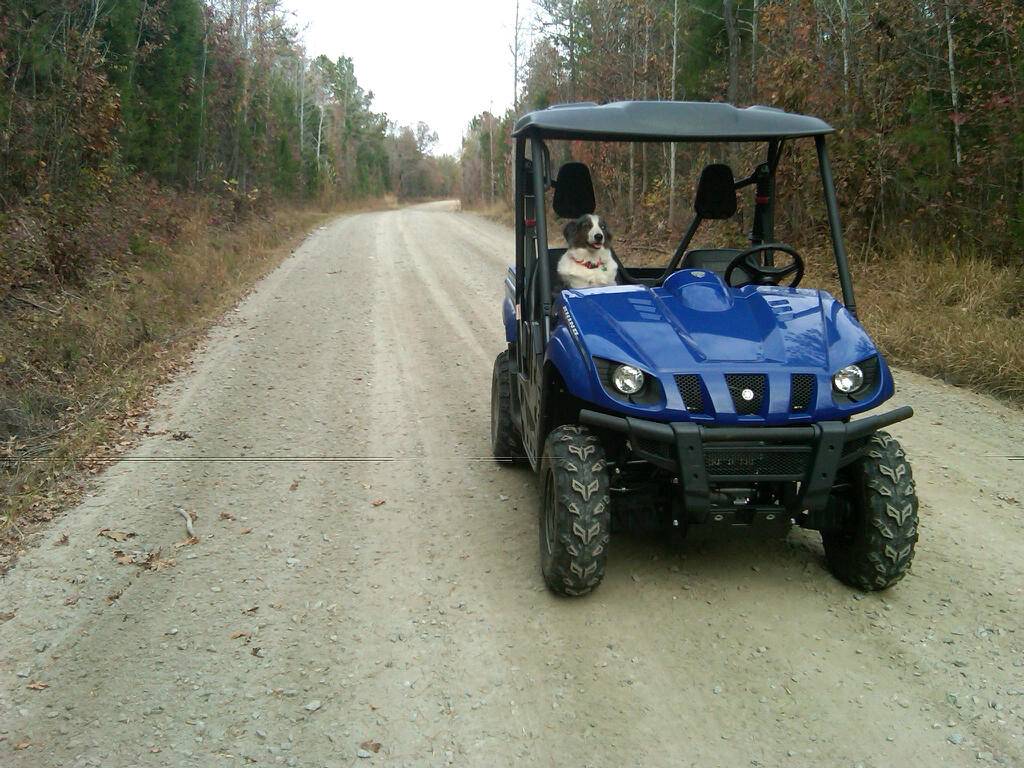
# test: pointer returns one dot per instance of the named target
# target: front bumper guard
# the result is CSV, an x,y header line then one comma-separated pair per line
x,y
811,454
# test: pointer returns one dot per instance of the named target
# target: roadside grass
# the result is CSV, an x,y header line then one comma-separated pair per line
x,y
78,365
959,318
937,310
499,211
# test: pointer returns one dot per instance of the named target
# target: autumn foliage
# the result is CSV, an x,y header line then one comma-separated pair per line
x,y
116,114
926,98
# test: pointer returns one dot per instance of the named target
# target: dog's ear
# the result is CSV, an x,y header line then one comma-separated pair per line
x,y
604,228
570,231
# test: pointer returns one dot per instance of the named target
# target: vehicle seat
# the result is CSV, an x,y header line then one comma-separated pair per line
x,y
715,260
574,191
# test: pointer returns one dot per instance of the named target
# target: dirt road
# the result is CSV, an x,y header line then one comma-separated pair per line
x,y
396,599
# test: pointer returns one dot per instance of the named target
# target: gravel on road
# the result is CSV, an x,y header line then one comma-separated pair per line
x,y
363,585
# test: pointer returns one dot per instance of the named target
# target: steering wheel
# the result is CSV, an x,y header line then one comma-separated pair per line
x,y
762,275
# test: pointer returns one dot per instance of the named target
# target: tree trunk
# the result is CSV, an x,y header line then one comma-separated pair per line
x,y
733,36
201,147
302,106
844,10
319,137
138,42
754,19
572,50
647,59
954,95
490,152
515,62
632,145
672,155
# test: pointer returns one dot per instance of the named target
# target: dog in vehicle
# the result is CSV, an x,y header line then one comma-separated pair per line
x,y
588,262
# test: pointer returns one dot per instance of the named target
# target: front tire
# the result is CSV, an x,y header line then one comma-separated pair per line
x,y
505,440
575,511
876,546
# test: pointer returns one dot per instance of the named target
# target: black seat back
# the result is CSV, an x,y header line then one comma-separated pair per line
x,y
716,193
574,191
716,260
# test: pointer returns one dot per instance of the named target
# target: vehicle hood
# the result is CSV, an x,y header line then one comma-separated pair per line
x,y
694,322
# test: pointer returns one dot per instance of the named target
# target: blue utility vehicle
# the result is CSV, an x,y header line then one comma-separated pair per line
x,y
713,390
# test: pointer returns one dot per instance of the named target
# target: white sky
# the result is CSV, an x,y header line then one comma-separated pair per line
x,y
439,61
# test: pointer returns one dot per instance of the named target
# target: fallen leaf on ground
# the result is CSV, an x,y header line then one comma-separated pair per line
x,y
241,633
187,542
294,486
37,686
370,745
252,610
246,530
123,557
62,541
71,600
154,562
22,745
151,561
226,516
113,596
6,617
115,535
378,502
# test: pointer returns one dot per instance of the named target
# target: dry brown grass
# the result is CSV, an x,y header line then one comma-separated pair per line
x,y
958,318
77,366
498,211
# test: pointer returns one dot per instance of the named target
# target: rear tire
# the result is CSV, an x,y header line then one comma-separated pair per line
x,y
505,440
875,548
574,511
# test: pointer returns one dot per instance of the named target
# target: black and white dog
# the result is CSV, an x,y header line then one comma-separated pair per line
x,y
588,262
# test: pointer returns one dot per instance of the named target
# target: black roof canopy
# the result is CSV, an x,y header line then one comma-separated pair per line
x,y
667,121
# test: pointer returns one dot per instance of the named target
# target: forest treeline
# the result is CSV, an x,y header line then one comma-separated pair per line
x,y
112,112
926,97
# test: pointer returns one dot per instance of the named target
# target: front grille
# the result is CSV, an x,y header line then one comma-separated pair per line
x,y
802,392
691,392
738,382
781,463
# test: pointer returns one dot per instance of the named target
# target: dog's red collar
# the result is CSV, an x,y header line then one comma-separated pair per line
x,y
589,264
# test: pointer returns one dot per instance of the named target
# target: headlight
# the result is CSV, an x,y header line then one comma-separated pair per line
x,y
627,379
848,379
